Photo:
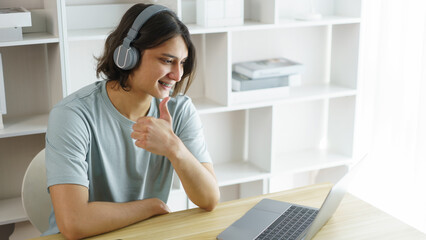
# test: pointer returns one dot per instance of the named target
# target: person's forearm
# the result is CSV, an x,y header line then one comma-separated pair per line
x,y
199,183
99,217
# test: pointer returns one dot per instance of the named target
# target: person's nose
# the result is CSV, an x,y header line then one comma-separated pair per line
x,y
176,72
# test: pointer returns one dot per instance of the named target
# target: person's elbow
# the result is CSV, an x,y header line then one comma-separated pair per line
x,y
210,207
70,229
212,202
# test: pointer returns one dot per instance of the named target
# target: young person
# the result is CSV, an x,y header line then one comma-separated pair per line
x,y
112,146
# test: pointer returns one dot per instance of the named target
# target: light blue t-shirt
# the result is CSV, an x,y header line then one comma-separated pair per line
x,y
88,143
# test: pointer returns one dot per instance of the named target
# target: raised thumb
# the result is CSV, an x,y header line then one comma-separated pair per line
x,y
164,110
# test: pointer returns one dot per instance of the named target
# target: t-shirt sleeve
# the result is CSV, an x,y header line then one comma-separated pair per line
x,y
191,133
67,140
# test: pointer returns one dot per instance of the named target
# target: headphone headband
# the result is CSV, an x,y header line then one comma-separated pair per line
x,y
140,20
125,56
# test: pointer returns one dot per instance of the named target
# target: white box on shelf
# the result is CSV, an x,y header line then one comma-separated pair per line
x,y
2,90
11,22
14,17
10,34
216,13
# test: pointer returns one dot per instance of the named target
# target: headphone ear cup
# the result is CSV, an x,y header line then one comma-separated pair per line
x,y
126,58
133,58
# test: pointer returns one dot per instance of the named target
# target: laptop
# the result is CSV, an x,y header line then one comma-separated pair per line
x,y
271,219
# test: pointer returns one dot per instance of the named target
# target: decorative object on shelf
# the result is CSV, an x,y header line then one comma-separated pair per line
x,y
266,68
11,22
216,13
312,15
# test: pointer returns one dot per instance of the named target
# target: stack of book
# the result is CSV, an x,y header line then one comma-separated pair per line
x,y
268,73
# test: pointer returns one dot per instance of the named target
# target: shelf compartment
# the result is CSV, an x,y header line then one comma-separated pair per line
x,y
21,126
82,63
320,124
93,21
211,82
243,152
256,12
230,173
12,211
308,160
344,60
96,21
308,46
33,84
44,28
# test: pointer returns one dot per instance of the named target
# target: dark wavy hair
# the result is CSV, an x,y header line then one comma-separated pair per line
x,y
157,30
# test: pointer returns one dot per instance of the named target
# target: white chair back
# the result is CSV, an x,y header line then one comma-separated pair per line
x,y
35,198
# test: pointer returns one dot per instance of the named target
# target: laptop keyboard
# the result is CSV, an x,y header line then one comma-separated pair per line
x,y
290,224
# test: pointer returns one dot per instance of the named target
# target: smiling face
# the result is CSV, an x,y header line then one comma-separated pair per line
x,y
161,67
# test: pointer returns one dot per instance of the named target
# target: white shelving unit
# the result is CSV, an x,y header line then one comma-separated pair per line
x,y
33,75
253,139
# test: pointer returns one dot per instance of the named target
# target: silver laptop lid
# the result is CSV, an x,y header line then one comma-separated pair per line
x,y
332,201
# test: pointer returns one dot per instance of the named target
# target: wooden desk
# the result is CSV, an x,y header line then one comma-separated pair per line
x,y
354,219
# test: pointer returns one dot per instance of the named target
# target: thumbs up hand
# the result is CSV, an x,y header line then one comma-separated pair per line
x,y
164,111
156,135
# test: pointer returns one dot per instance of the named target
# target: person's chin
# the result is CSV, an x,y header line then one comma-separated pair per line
x,y
161,94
